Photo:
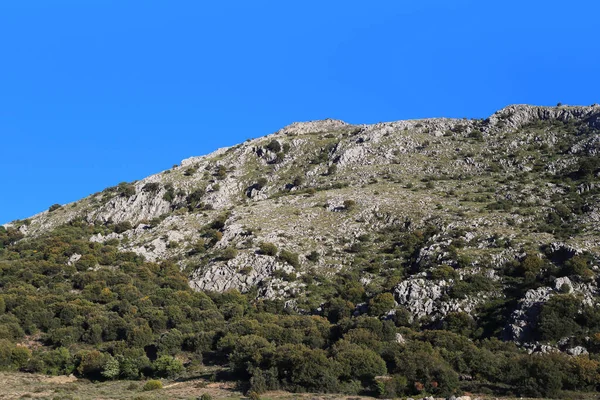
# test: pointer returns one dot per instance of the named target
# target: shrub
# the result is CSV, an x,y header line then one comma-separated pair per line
x,y
476,134
151,187
290,258
122,227
298,181
268,249
274,146
221,172
168,367
152,385
349,205
54,207
126,189
381,304
229,254
91,364
205,396
313,256
260,184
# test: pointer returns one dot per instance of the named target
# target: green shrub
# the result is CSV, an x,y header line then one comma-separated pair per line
x,y
168,367
54,207
221,172
349,205
313,256
274,146
268,249
298,181
290,258
229,254
122,227
205,396
381,304
151,187
152,385
126,189
260,184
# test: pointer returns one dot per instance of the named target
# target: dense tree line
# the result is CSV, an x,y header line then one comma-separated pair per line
x,y
68,305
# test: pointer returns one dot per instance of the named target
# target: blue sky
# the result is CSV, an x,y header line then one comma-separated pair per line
x,y
96,92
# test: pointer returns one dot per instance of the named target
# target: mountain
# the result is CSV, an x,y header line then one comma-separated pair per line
x,y
485,228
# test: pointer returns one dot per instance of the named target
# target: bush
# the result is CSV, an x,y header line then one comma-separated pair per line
x,y
381,304
476,134
122,227
274,146
349,205
168,367
221,172
260,183
152,385
290,258
268,249
229,254
205,396
126,189
298,181
54,207
313,256
152,187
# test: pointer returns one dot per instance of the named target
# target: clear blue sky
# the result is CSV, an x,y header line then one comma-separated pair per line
x,y
96,92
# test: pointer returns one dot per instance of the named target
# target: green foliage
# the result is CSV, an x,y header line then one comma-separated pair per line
x,y
54,207
290,258
126,189
122,227
381,304
268,249
558,318
273,146
168,367
228,253
152,385
151,187
313,256
349,205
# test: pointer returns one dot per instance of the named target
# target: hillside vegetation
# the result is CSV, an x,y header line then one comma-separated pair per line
x,y
406,258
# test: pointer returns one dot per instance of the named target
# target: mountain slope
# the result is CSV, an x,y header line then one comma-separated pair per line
x,y
487,228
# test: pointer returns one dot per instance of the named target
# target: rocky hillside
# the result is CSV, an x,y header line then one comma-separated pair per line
x,y
485,218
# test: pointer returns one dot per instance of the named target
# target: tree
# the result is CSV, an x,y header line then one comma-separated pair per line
x,y
111,368
381,304
91,364
168,367
274,146
359,363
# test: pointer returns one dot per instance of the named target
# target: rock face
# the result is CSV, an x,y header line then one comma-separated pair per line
x,y
438,212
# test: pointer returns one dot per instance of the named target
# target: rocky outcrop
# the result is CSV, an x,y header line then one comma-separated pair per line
x,y
516,116
424,298
243,273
